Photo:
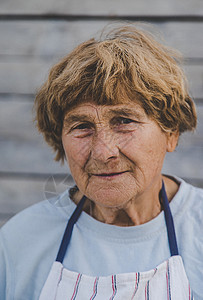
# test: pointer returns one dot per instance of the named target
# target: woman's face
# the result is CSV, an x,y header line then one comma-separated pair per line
x,y
115,153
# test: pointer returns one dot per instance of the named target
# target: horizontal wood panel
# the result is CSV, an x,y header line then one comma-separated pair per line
x,y
16,195
22,149
29,49
28,157
106,7
27,76
57,38
185,162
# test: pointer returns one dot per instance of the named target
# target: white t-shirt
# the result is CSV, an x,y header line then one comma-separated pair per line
x,y
29,244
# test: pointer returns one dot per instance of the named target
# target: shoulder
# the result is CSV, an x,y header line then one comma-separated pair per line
x,y
37,214
187,211
187,204
192,211
188,218
29,243
33,224
188,193
193,197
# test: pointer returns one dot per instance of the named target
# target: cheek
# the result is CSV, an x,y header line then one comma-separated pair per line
x,y
127,141
132,145
144,149
77,152
155,152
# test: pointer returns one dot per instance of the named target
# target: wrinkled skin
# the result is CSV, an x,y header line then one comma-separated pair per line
x,y
115,154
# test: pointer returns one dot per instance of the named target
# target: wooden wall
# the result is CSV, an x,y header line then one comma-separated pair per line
x,y
36,34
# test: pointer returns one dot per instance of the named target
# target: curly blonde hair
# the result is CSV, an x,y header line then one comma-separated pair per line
x,y
129,64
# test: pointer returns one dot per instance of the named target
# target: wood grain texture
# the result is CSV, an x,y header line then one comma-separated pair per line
x,y
49,39
103,7
29,49
16,195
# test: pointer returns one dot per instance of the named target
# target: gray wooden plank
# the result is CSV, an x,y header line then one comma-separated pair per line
x,y
100,7
22,77
57,38
28,157
185,162
27,76
194,74
22,149
45,38
17,121
16,195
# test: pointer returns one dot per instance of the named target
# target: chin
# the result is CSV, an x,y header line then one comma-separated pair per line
x,y
110,198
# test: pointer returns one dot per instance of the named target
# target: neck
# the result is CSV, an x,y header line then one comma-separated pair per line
x,y
129,215
136,211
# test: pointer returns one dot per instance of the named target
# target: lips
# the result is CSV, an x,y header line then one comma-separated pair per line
x,y
112,174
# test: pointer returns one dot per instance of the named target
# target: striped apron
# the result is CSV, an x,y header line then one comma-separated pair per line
x,y
168,281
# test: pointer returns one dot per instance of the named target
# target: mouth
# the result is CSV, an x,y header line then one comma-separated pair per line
x,y
109,175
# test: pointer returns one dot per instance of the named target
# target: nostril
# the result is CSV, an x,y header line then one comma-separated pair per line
x,y
103,150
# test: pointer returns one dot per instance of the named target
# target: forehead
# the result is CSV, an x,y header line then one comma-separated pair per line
x,y
91,109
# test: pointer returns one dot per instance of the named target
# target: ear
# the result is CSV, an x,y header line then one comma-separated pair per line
x,y
172,140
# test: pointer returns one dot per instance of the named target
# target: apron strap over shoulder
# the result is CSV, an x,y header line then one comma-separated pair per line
x,y
169,222
69,229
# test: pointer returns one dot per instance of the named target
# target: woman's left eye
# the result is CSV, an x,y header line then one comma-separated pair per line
x,y
125,121
124,124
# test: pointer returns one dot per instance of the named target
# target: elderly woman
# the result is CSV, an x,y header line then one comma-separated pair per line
x,y
112,108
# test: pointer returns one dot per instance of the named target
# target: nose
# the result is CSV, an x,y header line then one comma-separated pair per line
x,y
104,146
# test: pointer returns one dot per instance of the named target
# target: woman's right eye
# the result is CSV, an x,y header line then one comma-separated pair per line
x,y
82,126
82,130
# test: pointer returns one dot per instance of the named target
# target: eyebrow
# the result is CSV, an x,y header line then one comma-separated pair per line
x,y
75,118
114,112
127,112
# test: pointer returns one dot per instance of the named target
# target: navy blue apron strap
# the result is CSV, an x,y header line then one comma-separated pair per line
x,y
69,229
73,219
169,223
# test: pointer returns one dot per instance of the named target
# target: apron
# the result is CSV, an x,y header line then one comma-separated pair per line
x,y
168,281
